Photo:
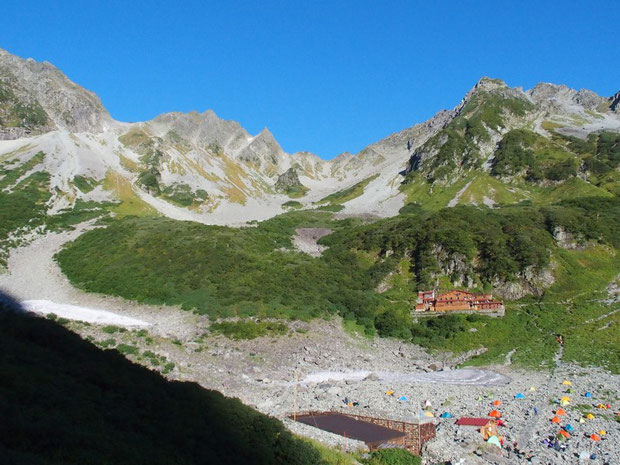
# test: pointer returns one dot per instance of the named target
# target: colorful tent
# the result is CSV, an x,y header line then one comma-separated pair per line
x,y
560,412
602,432
588,394
446,415
564,434
601,406
595,437
389,393
567,383
495,414
495,441
519,396
555,420
497,403
589,416
403,399
568,428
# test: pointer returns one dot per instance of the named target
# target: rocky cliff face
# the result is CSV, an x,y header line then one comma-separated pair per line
x,y
53,100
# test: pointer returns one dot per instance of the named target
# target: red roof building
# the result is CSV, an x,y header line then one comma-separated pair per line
x,y
430,301
476,422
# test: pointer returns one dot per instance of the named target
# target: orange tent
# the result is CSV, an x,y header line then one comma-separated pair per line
x,y
561,412
495,414
595,437
555,420
497,403
564,433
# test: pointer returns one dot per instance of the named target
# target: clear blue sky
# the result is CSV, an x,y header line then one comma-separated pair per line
x,y
324,76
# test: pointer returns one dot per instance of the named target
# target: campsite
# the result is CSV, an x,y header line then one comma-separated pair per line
x,y
320,368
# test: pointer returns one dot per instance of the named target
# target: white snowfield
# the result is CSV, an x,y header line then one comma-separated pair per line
x,y
465,376
74,312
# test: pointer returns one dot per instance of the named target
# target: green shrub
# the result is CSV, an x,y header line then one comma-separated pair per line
x,y
248,329
392,457
127,349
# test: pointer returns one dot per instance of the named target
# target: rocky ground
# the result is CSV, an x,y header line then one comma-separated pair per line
x,y
333,366
305,240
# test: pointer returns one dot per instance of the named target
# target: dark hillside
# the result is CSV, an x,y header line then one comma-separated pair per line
x,y
64,401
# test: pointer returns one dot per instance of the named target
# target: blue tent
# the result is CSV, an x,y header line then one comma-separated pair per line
x,y
445,415
568,428
403,398
588,394
519,396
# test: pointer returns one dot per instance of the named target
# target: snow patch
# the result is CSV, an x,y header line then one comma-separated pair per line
x,y
73,312
465,376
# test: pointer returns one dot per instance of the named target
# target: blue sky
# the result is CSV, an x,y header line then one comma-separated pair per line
x,y
324,76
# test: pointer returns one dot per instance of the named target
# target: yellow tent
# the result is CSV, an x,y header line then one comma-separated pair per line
x,y
602,432
567,383
601,406
532,389
389,393
589,416
428,414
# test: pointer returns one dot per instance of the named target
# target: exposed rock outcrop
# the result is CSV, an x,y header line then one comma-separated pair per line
x,y
289,182
66,105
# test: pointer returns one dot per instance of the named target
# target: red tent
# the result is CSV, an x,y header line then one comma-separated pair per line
x,y
495,414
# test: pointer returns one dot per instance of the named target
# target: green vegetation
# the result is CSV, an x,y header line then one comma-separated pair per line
x,y
184,196
84,184
219,270
23,199
392,457
130,204
249,329
295,192
23,206
455,148
350,193
15,112
228,272
65,401
331,208
292,204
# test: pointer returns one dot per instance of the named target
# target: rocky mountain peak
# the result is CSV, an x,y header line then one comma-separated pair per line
x,y
614,102
65,104
488,84
560,95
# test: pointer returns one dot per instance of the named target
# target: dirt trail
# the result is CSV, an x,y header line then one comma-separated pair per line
x,y
34,275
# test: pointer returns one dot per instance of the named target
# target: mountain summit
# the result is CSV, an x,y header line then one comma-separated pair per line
x,y
498,145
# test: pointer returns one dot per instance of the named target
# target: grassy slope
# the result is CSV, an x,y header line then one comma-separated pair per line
x,y
223,272
349,193
530,325
217,270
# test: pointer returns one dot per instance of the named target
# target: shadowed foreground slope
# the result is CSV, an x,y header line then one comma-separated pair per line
x,y
64,401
